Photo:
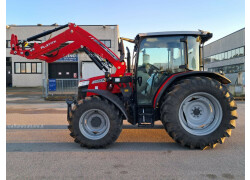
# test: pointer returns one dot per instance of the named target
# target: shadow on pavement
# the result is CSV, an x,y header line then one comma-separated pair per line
x,y
73,147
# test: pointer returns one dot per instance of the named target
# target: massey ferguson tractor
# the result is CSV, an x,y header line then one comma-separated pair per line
x,y
168,83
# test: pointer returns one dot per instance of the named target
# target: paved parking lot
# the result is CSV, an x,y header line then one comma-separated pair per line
x,y
39,147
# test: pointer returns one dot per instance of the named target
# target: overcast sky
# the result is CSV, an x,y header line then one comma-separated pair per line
x,y
221,17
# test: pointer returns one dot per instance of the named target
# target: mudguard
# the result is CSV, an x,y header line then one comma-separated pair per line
x,y
175,77
111,97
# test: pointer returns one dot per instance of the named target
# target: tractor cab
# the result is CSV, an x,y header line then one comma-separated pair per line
x,y
161,55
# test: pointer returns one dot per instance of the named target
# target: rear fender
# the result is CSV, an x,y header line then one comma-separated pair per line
x,y
175,77
111,97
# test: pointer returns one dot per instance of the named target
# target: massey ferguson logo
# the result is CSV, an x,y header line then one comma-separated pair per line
x,y
53,42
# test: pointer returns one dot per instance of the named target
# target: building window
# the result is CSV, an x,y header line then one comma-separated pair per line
x,y
28,68
216,57
234,53
33,68
222,56
241,68
237,52
212,58
39,68
219,57
106,43
226,55
235,68
242,51
17,68
22,67
229,54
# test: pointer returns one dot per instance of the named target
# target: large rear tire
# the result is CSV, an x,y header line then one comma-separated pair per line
x,y
95,122
198,112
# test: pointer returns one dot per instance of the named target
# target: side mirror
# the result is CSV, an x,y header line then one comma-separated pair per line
x,y
128,59
139,79
121,49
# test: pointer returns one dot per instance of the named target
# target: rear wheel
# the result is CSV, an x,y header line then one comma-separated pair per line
x,y
95,122
198,112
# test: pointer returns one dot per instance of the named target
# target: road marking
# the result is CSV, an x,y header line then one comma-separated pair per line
x,y
66,127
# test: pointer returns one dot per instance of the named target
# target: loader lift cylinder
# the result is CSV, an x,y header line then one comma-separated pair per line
x,y
94,59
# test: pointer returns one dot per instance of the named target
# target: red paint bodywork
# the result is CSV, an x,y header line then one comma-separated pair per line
x,y
80,38
105,85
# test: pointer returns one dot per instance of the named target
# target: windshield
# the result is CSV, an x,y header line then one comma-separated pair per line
x,y
164,53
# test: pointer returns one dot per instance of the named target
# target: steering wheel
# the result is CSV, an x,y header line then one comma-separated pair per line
x,y
154,67
155,75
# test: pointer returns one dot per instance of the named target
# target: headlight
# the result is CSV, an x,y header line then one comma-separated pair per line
x,y
83,83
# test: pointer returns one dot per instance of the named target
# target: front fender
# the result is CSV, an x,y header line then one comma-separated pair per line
x,y
175,77
111,97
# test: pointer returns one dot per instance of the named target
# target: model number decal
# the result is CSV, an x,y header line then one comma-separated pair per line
x,y
53,42
98,81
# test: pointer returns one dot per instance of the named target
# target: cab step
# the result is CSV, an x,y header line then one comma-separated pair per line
x,y
146,125
146,117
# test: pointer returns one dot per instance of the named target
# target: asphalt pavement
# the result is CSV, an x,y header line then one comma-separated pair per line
x,y
39,147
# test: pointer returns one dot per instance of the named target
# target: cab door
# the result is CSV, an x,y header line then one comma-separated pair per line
x,y
158,58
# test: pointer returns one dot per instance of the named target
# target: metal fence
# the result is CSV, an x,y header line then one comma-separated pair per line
x,y
60,87
237,90
70,87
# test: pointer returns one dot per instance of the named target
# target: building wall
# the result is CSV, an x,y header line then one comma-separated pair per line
x,y
231,41
107,32
216,56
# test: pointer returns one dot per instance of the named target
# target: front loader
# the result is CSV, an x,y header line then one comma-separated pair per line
x,y
168,83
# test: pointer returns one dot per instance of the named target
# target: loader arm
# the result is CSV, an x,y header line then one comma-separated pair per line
x,y
49,50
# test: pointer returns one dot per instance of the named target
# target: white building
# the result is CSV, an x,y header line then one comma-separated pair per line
x,y
21,72
227,55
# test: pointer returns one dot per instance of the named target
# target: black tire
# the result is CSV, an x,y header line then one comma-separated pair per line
x,y
173,99
105,106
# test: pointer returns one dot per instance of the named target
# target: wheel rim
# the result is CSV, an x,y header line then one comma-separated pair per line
x,y
200,114
94,124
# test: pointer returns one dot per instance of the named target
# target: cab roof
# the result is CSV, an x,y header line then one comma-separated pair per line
x,y
205,36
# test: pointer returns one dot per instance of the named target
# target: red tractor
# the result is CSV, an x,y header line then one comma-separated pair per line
x,y
168,84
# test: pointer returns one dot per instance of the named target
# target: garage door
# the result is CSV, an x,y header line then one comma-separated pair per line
x,y
63,70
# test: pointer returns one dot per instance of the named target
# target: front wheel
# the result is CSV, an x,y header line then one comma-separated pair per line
x,y
198,112
95,122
